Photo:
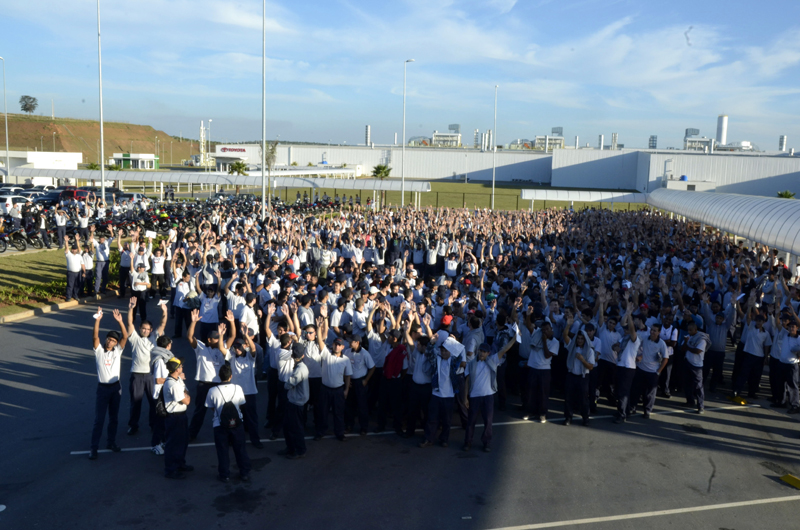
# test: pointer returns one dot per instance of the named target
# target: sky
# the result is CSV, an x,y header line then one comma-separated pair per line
x,y
590,66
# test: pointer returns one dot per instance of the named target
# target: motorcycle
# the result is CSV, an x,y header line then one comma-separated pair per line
x,y
17,239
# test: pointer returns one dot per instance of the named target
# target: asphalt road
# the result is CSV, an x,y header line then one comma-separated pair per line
x,y
536,474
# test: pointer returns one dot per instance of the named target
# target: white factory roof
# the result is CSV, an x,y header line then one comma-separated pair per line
x,y
583,196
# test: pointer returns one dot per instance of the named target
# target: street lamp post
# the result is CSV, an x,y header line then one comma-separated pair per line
x,y
41,143
100,76
54,141
209,141
494,143
403,156
5,110
264,113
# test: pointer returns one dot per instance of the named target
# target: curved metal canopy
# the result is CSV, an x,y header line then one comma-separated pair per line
x,y
770,221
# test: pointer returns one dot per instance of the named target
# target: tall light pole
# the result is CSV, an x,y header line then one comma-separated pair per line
x,y
403,156
264,113
41,143
54,141
209,142
5,110
100,75
494,143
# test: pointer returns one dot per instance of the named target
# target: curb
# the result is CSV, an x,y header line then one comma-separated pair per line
x,y
40,311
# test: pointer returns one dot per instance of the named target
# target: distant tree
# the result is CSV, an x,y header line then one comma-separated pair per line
x,y
344,165
114,167
28,104
238,168
381,171
92,166
786,194
310,164
295,163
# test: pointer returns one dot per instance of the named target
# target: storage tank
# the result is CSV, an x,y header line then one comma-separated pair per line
x,y
722,129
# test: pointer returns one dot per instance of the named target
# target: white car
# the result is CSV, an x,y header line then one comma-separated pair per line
x,y
10,190
7,201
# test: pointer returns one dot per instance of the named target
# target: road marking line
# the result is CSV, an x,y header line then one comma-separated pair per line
x,y
496,424
659,513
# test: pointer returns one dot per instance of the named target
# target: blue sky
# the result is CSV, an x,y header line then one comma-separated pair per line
x,y
591,66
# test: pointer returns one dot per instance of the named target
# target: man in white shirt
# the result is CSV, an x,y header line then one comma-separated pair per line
x,y
336,374
75,268
696,344
544,346
61,218
107,359
159,357
210,355
140,283
243,364
363,369
440,408
141,382
230,434
650,362
176,424
102,257
627,352
481,386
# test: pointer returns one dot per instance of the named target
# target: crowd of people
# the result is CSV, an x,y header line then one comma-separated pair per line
x,y
420,316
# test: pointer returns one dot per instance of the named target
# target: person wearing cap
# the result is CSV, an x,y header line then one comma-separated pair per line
x,y
225,436
140,283
176,424
627,352
650,362
695,343
607,362
480,385
757,342
75,268
141,382
125,260
211,355
158,270
789,371
717,324
440,408
102,257
209,305
544,346
107,399
87,283
243,365
336,374
274,351
363,369
297,396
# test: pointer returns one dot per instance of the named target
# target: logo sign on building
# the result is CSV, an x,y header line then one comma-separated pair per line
x,y
232,150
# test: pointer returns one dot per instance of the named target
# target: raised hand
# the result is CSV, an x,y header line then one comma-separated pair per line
x,y
117,316
229,316
132,302
195,315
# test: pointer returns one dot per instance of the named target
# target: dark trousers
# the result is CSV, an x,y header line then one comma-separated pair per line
x,y
158,284
440,411
199,407
224,439
483,405
182,318
62,232
624,383
141,386
776,385
502,394
158,431
141,305
676,378
390,393
789,378
314,386
737,362
331,398
460,403
418,401
749,373
107,398
45,237
539,388
73,285
250,413
693,378
373,395
86,284
576,395
357,405
272,395
293,430
101,277
607,375
712,364
176,434
645,384
124,278
594,378
524,390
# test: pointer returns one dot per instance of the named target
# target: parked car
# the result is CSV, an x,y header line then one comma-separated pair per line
x,y
74,194
130,197
7,201
48,200
43,188
11,190
31,194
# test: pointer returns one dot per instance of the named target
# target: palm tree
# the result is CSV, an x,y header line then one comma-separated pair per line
x,y
381,171
238,168
786,194
92,166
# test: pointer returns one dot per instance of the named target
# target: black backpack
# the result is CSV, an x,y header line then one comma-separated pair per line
x,y
161,407
229,416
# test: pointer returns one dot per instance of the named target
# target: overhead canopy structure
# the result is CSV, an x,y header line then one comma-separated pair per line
x,y
770,221
285,180
583,196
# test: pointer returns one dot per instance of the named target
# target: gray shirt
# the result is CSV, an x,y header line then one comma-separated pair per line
x,y
297,385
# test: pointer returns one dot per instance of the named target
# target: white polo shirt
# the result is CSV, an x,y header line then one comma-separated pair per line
x,y
480,383
174,394
159,372
361,362
627,357
108,363
537,360
221,394
209,361
140,351
334,369
244,373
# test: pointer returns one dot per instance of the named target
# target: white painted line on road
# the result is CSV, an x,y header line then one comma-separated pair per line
x,y
383,433
659,513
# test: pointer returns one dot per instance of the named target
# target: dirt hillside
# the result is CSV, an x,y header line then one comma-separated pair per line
x,y
31,133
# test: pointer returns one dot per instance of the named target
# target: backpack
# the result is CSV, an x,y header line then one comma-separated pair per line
x,y
161,406
229,415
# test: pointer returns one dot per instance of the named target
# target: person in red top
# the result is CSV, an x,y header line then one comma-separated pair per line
x,y
394,368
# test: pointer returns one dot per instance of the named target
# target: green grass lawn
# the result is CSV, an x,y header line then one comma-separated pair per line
x,y
28,269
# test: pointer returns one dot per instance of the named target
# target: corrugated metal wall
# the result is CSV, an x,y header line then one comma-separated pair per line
x,y
747,174
427,163
586,168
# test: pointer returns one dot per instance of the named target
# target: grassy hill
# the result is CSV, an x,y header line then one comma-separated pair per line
x,y
31,133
